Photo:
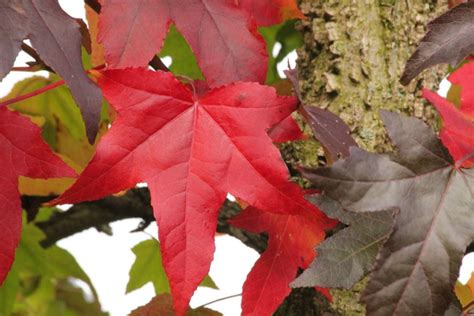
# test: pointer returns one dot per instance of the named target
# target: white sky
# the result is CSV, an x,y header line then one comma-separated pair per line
x,y
107,260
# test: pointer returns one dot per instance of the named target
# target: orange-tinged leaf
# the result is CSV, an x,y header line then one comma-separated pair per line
x,y
269,12
465,292
76,153
292,239
49,187
97,53
289,9
453,3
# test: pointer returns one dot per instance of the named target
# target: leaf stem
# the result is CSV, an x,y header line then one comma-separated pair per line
x,y
218,300
32,94
27,69
94,5
32,52
460,162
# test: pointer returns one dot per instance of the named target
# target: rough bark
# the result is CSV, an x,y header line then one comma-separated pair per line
x,y
353,56
134,203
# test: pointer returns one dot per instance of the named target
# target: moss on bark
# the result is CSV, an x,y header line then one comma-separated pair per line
x,y
353,56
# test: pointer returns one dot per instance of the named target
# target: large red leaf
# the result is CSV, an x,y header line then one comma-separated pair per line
x,y
269,12
286,130
191,151
292,239
22,153
457,133
222,35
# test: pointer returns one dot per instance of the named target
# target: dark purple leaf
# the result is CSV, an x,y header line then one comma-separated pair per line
x,y
344,258
328,128
418,265
450,39
57,38
12,33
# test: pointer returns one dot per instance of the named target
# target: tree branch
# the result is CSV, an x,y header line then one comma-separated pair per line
x,y
94,5
32,52
133,204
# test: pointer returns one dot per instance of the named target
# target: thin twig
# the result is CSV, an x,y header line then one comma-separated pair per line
x,y
32,52
94,5
157,64
33,93
218,300
26,69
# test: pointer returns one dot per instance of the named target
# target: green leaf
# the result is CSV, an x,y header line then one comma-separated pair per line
x,y
62,128
8,292
30,256
65,265
41,282
53,262
209,282
148,267
72,297
289,38
56,107
184,61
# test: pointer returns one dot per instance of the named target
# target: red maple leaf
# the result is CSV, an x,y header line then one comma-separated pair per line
x,y
285,131
223,36
457,133
191,151
292,239
22,153
269,12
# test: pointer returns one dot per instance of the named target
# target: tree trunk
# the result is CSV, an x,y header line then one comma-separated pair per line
x,y
353,56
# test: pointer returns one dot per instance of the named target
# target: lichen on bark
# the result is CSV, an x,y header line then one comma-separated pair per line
x,y
353,56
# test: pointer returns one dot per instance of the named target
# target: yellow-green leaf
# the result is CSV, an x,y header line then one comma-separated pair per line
x,y
148,267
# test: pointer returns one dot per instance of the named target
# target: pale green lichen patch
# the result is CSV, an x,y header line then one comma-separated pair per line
x,y
346,302
353,57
